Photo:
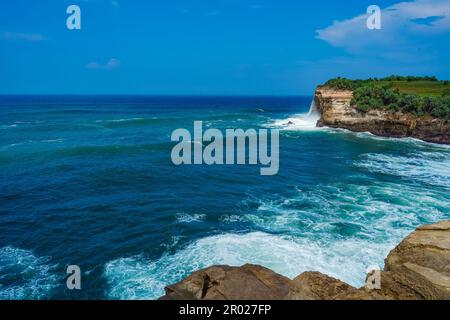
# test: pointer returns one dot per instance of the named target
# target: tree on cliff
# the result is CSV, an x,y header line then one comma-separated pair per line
x,y
382,94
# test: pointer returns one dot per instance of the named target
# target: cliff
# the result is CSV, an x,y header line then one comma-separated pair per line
x,y
417,269
336,112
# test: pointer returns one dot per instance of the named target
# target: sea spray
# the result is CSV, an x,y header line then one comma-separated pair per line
x,y
305,121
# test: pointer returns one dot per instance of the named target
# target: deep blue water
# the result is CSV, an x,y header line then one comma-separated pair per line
x,y
89,181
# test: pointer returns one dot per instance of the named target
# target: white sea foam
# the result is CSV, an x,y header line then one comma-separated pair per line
x,y
59,140
408,140
380,211
299,122
30,142
339,229
15,125
426,167
120,120
25,276
188,218
171,243
230,218
140,278
19,143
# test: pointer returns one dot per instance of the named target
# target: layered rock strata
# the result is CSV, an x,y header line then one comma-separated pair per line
x,y
337,112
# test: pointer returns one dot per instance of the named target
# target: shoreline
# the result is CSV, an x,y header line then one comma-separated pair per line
x,y
337,112
417,269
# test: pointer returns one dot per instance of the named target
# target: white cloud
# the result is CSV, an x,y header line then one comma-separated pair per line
x,y
28,37
111,64
400,23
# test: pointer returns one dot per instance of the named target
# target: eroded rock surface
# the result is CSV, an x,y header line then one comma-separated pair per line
x,y
336,112
318,286
421,262
249,282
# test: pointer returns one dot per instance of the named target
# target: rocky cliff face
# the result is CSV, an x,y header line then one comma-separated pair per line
x,y
337,112
417,269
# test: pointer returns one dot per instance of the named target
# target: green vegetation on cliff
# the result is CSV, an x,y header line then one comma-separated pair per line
x,y
416,95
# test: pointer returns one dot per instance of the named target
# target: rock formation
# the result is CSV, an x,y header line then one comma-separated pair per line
x,y
337,112
249,282
417,269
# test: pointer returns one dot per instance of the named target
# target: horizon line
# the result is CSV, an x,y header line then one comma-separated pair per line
x,y
144,95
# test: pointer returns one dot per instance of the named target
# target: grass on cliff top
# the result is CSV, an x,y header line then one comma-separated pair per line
x,y
415,95
422,88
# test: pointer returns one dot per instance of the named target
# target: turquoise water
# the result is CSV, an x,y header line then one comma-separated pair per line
x,y
89,181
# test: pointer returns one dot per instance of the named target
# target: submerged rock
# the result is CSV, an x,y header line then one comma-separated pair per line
x,y
417,269
337,112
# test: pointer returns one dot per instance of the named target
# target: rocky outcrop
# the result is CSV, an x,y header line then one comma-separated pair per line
x,y
421,262
417,269
318,286
337,112
249,282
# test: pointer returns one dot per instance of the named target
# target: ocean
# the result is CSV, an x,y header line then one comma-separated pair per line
x,y
88,181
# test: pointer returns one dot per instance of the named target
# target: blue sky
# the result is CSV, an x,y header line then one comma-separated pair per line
x,y
229,47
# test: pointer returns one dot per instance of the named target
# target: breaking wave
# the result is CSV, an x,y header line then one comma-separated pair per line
x,y
188,218
140,278
340,229
300,122
23,276
426,167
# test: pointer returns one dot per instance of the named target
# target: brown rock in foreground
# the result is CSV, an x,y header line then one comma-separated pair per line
x,y
421,262
337,112
249,282
417,269
318,286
